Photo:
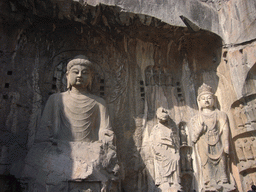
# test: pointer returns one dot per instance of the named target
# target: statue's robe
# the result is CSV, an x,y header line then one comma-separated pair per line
x,y
210,143
166,157
70,141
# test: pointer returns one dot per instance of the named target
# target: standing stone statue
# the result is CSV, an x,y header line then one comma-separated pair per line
x,y
165,147
75,141
183,135
239,117
211,139
248,149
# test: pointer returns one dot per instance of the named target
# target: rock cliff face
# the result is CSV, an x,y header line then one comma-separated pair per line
x,y
147,54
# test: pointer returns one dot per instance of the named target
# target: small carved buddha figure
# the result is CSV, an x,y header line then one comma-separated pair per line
x,y
238,118
249,111
210,136
165,148
253,146
248,149
243,114
183,135
74,140
240,151
189,162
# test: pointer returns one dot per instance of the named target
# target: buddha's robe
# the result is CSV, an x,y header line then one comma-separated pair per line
x,y
70,140
165,148
71,117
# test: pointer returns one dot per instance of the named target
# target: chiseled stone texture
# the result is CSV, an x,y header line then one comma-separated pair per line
x,y
238,21
198,12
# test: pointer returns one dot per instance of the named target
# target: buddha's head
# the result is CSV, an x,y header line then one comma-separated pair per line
x,y
162,115
205,98
80,73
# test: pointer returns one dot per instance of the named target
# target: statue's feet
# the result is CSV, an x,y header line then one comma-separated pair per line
x,y
167,187
224,180
206,182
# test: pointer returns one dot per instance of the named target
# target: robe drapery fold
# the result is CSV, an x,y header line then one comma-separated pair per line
x,y
72,141
70,117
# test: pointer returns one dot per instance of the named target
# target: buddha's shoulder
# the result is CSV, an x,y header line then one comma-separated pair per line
x,y
99,100
54,96
221,114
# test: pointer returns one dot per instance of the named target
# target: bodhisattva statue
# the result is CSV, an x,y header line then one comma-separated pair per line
x,y
165,147
211,138
74,141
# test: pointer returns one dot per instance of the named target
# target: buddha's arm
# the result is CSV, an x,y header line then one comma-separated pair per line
x,y
198,128
106,134
44,131
225,134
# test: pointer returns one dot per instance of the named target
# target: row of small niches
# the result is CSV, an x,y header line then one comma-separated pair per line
x,y
7,85
179,91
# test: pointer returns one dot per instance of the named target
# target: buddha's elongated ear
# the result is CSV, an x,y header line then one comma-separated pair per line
x,y
68,83
90,83
198,103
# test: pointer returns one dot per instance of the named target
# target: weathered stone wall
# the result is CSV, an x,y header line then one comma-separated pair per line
x,y
124,40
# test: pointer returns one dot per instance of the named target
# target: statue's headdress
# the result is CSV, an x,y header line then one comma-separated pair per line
x,y
204,89
81,60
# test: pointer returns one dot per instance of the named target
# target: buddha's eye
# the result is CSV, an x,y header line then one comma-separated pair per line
x,y
85,72
74,71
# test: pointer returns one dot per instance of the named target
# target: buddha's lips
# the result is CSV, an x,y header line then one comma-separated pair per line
x,y
79,80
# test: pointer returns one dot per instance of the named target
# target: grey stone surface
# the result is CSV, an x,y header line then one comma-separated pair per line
x,y
238,21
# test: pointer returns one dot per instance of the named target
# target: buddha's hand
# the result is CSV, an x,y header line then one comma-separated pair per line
x,y
198,131
53,141
108,137
226,149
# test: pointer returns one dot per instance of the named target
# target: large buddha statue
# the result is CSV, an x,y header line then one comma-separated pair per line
x,y
74,141
210,130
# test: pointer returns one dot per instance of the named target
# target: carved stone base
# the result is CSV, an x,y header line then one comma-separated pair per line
x,y
220,188
166,187
84,186
70,186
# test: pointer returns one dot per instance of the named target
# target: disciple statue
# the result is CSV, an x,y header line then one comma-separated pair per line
x,y
165,147
211,138
75,141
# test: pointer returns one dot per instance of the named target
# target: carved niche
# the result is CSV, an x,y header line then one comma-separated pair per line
x,y
74,146
244,136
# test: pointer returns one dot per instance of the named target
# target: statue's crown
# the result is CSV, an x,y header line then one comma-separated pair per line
x,y
205,89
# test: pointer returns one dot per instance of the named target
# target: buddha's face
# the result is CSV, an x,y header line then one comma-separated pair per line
x,y
162,115
206,101
79,76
